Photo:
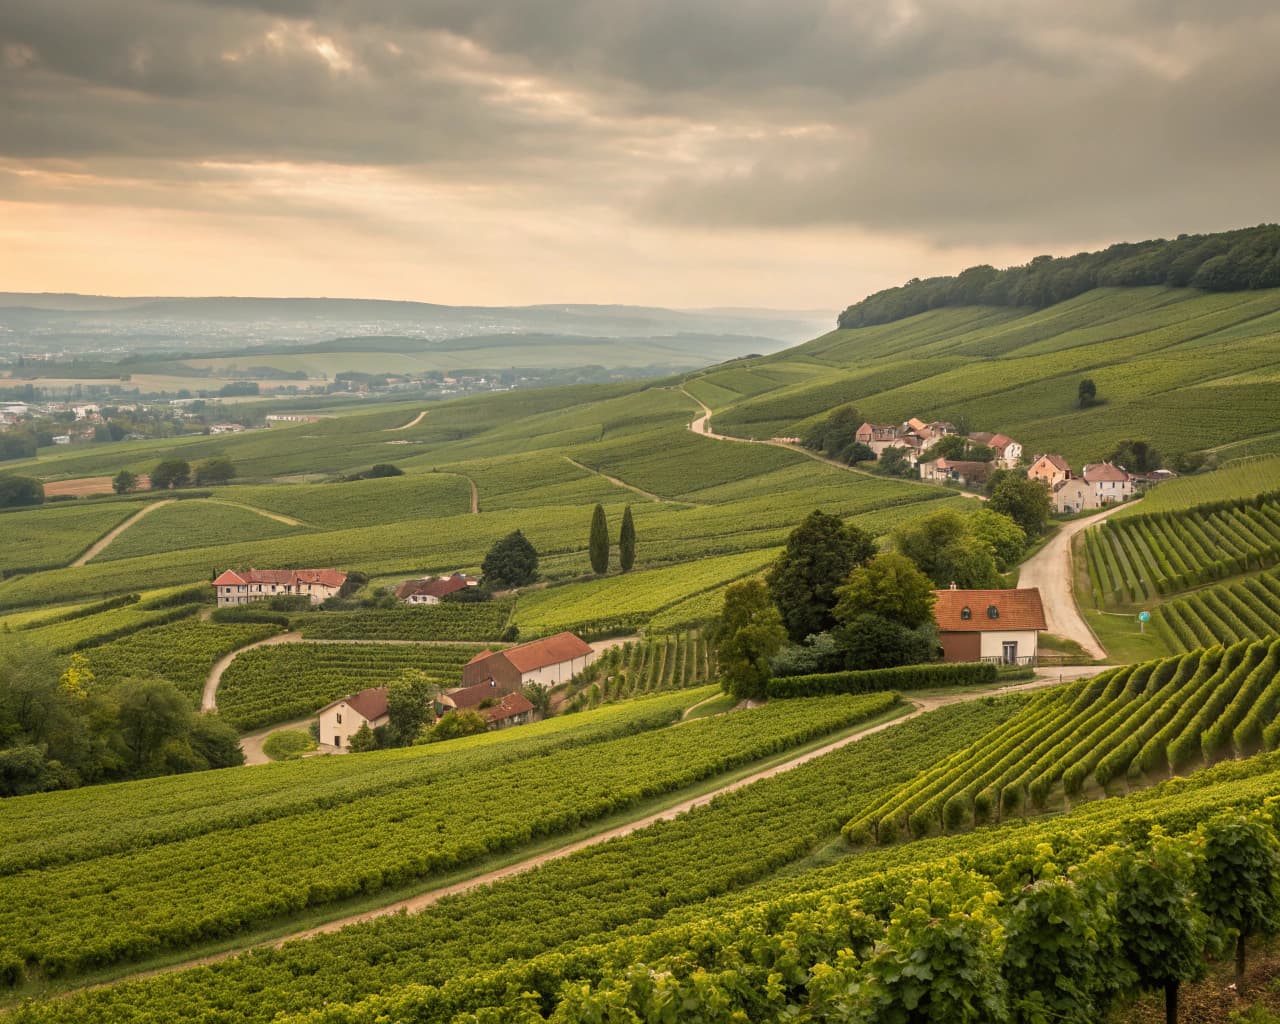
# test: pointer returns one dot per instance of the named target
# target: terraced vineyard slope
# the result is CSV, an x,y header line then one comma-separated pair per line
x,y
1090,738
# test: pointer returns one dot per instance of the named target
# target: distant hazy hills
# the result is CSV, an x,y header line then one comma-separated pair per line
x,y
110,324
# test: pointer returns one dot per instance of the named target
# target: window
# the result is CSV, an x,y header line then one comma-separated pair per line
x,y
338,716
337,740
966,613
993,612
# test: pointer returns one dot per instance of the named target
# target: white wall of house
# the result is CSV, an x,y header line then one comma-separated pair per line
x,y
1111,491
422,599
993,642
338,724
1012,455
562,672
1074,496
241,593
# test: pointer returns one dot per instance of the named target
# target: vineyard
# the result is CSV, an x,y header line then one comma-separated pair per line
x,y
171,527
88,631
183,652
1094,738
477,622
1237,480
267,685
1136,559
648,666
635,597
1247,609
46,537
639,878
67,918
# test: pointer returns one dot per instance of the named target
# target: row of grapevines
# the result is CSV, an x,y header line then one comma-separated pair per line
x,y
634,881
274,684
183,652
69,918
1225,613
1165,552
638,667
1123,724
448,621
75,825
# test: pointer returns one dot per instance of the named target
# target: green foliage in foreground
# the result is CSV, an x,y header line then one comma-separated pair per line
x,y
654,879
1245,610
217,885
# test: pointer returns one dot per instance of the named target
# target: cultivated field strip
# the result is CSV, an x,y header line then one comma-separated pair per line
x,y
68,918
1119,728
1139,558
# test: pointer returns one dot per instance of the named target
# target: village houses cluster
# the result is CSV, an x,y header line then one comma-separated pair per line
x,y
1098,484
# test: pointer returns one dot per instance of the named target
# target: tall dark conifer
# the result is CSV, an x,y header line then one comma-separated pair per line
x,y
599,545
627,541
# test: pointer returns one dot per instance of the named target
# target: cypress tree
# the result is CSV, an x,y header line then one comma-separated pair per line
x,y
627,541
599,545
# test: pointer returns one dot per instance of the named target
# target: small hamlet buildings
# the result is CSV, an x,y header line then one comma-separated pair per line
x,y
343,718
429,590
547,662
990,625
499,707
260,584
1099,484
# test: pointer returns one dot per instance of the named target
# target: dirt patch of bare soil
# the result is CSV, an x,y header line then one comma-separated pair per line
x,y
1215,999
84,486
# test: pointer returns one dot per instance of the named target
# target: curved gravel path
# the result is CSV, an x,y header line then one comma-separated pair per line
x,y
98,546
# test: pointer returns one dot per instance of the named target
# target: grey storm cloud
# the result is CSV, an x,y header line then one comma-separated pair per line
x,y
1005,120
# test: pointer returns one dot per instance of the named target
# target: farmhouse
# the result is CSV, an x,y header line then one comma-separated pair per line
x,y
429,590
513,709
260,584
547,662
342,719
1008,451
1073,495
877,436
1110,483
989,625
1050,470
955,470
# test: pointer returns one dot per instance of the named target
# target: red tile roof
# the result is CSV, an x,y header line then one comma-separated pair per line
x,y
432,587
285,577
1016,609
463,697
981,436
371,704
510,706
1104,472
1000,442
536,654
1057,462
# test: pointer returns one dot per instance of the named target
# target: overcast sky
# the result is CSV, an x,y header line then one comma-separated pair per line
x,y
785,153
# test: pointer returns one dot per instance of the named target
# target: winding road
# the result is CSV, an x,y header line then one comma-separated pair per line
x,y
412,423
1050,569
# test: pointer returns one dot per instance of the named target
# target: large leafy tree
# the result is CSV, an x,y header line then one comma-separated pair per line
x,y
748,635
627,541
1006,538
946,549
511,562
1023,500
598,545
217,470
170,473
820,554
890,586
153,714
410,706
16,491
124,482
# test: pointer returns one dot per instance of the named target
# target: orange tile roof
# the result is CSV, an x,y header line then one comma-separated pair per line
x,y
510,706
463,697
432,588
1104,472
1016,609
536,654
284,577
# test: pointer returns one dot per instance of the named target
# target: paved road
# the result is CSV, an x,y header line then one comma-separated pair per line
x,y
1050,569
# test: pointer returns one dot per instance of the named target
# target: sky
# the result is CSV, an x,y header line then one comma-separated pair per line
x,y
780,153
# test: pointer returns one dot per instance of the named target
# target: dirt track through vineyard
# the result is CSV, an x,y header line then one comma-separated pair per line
x,y
423,901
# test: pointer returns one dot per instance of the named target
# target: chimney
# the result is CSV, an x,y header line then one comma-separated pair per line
x,y
953,585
